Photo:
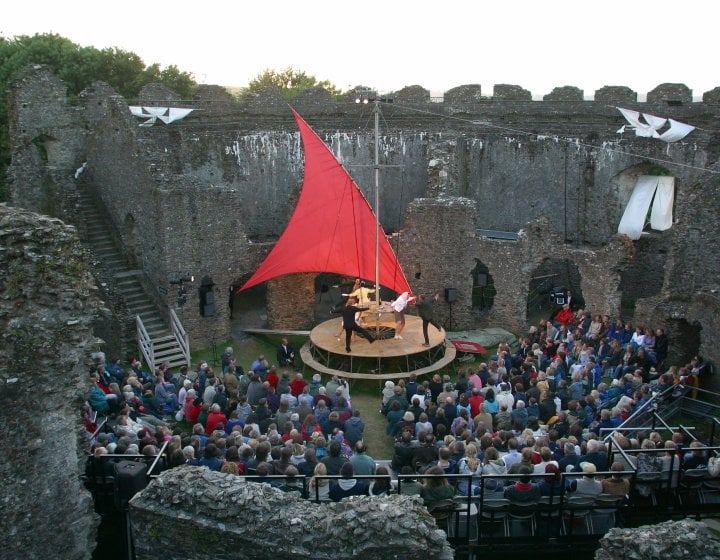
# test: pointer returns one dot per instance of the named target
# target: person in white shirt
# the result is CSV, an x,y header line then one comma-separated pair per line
x,y
399,306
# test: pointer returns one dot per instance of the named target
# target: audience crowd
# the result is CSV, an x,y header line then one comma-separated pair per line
x,y
536,412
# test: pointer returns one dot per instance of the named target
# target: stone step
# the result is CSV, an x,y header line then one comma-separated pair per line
x,y
137,298
119,276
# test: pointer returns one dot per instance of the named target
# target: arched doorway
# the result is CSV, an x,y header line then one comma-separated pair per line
x,y
552,276
684,341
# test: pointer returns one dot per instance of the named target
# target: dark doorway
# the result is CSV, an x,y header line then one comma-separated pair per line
x,y
551,277
483,290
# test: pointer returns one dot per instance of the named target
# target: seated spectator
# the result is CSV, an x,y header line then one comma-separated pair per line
x,y
334,461
523,490
103,402
394,416
551,484
232,464
403,452
436,488
409,486
469,465
695,459
381,484
318,487
211,458
586,486
616,485
347,485
362,463
215,418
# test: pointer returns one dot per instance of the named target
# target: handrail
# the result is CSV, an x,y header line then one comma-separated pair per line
x,y
145,343
651,403
180,335
715,422
157,458
97,430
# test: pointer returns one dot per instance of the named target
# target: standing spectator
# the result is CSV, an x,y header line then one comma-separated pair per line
x,y
285,354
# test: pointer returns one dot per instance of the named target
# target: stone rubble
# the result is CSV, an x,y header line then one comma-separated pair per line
x,y
182,513
672,539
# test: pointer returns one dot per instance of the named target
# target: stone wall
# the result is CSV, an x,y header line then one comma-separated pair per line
x,y
439,241
193,513
672,539
47,306
291,301
201,197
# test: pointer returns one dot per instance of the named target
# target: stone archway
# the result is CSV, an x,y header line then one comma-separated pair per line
x,y
550,274
684,338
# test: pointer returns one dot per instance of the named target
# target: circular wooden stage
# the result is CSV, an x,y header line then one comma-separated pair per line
x,y
388,358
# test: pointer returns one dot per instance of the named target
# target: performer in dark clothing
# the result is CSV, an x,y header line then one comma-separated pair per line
x,y
425,311
349,324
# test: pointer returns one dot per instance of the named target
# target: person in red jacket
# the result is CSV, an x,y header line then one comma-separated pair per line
x,y
565,316
297,385
214,418
192,407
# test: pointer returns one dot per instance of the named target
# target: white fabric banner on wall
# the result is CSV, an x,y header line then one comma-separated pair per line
x,y
662,210
633,219
649,128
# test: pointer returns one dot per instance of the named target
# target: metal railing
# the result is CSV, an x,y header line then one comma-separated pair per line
x,y
180,335
145,344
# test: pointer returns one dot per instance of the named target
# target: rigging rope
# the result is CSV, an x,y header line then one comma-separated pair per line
x,y
572,141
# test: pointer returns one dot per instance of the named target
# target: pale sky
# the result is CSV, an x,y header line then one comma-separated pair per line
x,y
390,44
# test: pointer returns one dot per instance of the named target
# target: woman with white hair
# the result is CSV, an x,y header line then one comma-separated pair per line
x,y
387,392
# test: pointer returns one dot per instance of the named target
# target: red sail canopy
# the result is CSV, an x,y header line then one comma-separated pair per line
x,y
332,228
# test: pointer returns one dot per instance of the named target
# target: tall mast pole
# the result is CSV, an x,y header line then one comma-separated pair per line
x,y
377,203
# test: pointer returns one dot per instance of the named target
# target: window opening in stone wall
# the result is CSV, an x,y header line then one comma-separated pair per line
x,y
644,276
548,289
483,290
645,195
206,295
42,144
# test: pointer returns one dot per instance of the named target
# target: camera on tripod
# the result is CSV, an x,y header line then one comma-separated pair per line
x,y
558,296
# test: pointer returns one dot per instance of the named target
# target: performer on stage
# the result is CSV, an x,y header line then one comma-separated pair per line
x,y
360,292
399,306
348,315
425,310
